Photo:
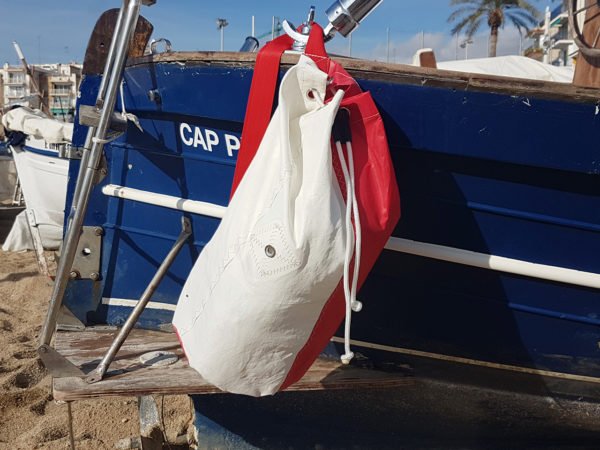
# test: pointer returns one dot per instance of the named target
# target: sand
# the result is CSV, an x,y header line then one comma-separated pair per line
x,y
29,417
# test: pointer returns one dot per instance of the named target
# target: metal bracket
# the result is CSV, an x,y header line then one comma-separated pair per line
x,y
86,264
57,364
89,116
164,41
70,152
102,170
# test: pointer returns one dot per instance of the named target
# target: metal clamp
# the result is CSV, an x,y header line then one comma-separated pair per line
x,y
155,42
86,264
300,38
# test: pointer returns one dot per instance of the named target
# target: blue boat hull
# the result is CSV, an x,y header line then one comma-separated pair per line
x,y
492,171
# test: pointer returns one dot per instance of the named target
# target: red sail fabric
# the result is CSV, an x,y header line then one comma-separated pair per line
x,y
376,187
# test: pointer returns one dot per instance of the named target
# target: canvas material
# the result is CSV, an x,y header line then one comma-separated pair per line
x,y
243,316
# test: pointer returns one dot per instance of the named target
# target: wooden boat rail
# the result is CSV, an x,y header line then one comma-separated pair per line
x,y
397,73
128,376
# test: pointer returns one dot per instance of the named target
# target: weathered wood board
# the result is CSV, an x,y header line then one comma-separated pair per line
x,y
398,73
129,377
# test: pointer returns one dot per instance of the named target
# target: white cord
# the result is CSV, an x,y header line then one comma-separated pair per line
x,y
355,304
353,242
107,139
128,116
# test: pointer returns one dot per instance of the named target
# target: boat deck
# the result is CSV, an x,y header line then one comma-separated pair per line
x,y
128,376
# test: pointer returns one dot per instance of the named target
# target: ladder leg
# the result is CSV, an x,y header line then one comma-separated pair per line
x,y
70,425
151,435
98,373
17,199
38,245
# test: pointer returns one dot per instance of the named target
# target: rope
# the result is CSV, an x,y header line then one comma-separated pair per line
x,y
353,243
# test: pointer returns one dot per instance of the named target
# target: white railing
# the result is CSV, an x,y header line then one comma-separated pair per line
x,y
433,251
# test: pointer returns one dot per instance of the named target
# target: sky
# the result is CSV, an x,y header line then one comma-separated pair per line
x,y
52,31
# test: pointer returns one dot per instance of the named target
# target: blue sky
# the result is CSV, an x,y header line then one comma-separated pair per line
x,y
58,30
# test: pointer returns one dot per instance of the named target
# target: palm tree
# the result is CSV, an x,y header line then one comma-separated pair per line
x,y
471,13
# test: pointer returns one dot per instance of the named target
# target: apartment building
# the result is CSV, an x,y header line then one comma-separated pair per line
x,y
58,85
17,86
62,85
553,39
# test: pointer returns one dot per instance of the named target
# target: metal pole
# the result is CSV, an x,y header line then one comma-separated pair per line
x,y
70,424
222,37
273,28
99,102
422,39
350,45
520,44
30,72
456,49
388,45
132,11
108,358
253,28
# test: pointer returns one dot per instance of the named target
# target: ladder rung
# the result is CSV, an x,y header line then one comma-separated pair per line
x,y
89,116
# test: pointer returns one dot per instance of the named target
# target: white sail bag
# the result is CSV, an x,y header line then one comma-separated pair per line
x,y
259,286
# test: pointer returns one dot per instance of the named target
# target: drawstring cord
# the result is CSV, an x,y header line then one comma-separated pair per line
x,y
353,243
342,133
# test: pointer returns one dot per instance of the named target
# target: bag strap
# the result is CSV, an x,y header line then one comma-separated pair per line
x,y
260,103
262,93
315,48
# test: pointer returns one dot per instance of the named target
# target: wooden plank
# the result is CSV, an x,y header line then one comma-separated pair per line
x,y
398,73
99,43
129,377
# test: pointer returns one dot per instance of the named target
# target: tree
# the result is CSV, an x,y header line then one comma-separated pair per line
x,y
470,14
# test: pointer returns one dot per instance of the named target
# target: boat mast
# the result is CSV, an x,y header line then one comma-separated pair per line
x,y
34,86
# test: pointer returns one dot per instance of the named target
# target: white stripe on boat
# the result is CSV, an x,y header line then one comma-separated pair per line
x,y
433,251
472,362
132,303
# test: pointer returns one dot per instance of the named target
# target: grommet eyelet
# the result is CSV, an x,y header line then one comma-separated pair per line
x,y
270,251
310,94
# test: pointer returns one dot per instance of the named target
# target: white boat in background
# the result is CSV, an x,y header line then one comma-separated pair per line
x,y
513,66
10,204
43,177
8,178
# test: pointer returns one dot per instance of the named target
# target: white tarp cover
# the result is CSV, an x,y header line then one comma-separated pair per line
x,y
8,179
19,238
511,66
44,183
37,124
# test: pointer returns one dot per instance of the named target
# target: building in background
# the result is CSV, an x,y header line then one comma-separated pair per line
x,y
63,83
58,85
553,39
18,86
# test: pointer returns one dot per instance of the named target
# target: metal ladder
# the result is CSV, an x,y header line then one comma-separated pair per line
x,y
90,169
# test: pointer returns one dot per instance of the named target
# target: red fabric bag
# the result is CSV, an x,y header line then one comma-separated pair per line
x,y
376,188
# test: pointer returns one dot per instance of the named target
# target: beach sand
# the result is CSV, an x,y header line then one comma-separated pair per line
x,y
29,417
